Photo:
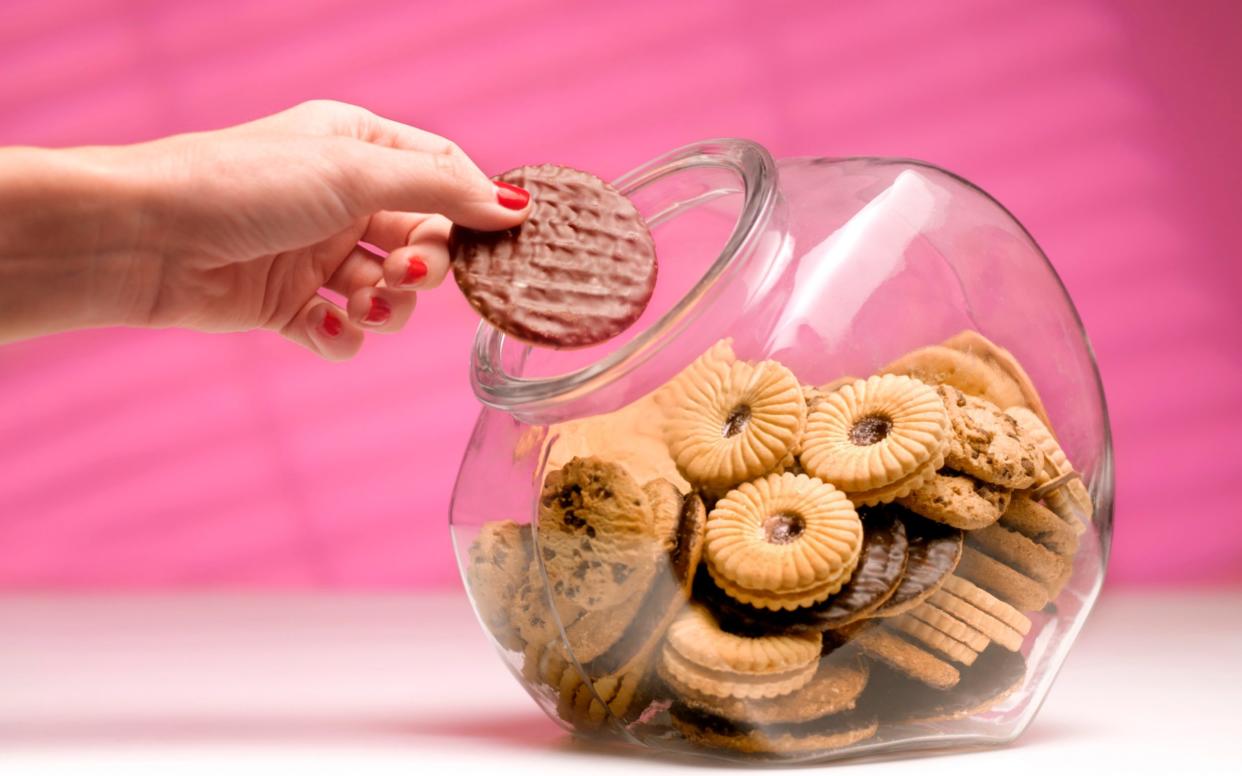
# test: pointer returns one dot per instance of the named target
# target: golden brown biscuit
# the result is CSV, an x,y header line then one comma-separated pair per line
x,y
782,541
700,656
876,439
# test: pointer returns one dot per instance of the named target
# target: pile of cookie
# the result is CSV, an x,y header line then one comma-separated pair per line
x,y
820,562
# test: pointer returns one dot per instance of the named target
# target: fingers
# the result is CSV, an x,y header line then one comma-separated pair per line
x,y
324,329
423,261
368,305
360,268
370,178
381,309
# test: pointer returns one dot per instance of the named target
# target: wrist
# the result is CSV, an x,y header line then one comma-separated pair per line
x,y
73,250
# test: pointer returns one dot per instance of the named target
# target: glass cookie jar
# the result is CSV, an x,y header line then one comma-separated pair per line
x,y
846,487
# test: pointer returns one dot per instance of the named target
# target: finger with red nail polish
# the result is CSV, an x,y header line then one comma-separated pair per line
x,y
381,309
424,261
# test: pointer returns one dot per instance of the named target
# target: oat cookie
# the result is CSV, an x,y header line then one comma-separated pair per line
x,y
783,541
1008,584
988,444
910,659
1038,523
876,439
958,500
737,421
1020,553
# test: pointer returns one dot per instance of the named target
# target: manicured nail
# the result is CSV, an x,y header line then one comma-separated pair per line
x,y
511,196
414,272
331,325
380,311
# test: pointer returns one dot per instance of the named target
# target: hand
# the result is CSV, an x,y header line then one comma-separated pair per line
x,y
242,228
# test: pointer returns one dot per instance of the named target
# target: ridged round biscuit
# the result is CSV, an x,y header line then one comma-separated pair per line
x,y
1038,523
946,623
875,433
829,733
902,487
974,343
958,500
736,422
985,601
680,672
1007,584
782,541
932,553
998,632
1074,492
697,636
1020,553
498,561
835,687
578,271
938,364
988,444
596,537
910,659
880,569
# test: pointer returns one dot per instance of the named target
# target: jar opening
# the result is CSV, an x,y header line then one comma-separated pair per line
x,y
709,194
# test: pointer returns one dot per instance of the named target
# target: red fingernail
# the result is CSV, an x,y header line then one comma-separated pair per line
x,y
331,325
415,272
380,311
511,196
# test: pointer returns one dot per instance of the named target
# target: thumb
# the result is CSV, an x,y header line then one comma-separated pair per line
x,y
374,178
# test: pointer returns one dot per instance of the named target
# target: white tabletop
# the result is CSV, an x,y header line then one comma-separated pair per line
x,y
309,684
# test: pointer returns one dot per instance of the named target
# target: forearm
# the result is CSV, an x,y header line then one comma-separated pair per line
x,y
71,242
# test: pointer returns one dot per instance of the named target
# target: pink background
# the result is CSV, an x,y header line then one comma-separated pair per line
x,y
173,459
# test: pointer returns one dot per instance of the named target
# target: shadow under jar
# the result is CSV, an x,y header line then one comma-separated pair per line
x,y
846,488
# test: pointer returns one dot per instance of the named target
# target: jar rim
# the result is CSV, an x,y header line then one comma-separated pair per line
x,y
756,172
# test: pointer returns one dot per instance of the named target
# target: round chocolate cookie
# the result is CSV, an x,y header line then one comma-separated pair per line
x,y
933,553
578,271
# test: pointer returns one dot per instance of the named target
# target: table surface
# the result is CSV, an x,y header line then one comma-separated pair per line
x,y
375,684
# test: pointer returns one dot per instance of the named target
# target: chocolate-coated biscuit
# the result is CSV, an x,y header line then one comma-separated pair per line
x,y
577,272
932,554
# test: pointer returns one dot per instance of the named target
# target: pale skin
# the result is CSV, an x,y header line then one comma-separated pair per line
x,y
241,228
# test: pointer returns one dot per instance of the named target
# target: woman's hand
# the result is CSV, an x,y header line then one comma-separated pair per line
x,y
242,228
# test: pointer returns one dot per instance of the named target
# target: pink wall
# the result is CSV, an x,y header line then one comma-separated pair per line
x,y
133,458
